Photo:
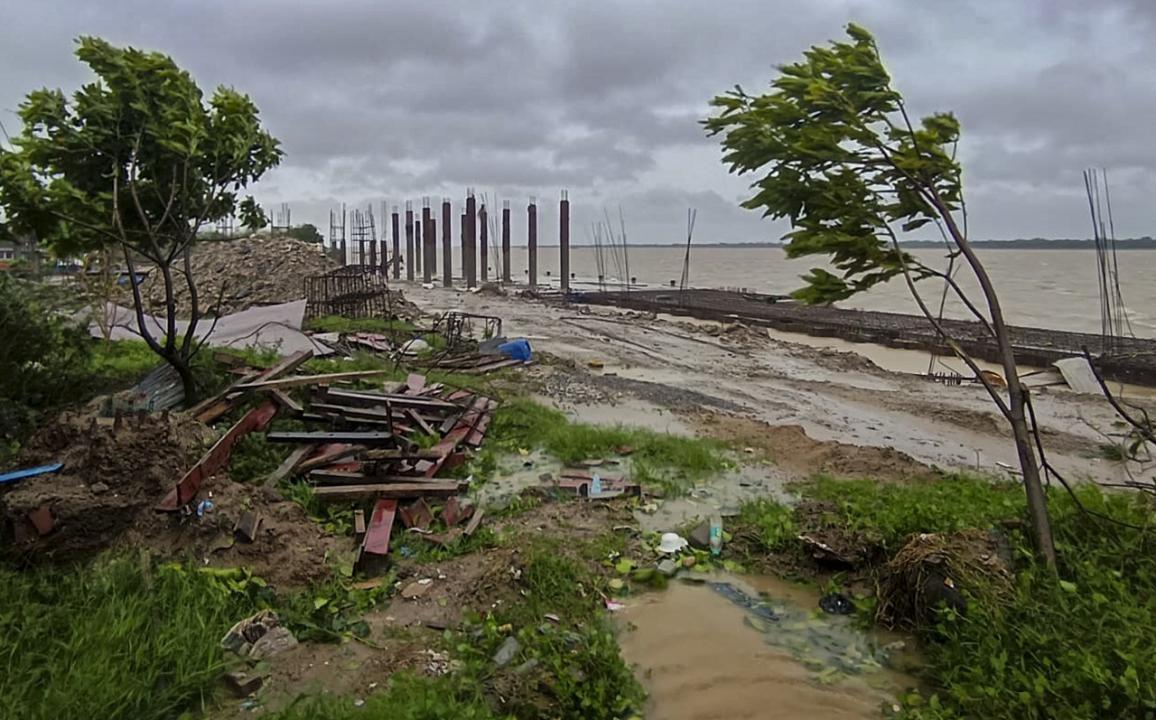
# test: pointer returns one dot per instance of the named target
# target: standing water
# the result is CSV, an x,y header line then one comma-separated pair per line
x,y
701,652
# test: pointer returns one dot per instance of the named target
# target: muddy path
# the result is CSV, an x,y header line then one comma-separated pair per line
x,y
836,398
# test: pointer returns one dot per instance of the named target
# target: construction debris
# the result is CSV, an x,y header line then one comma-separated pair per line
x,y
244,273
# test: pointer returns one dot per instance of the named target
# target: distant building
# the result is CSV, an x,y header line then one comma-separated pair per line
x,y
15,250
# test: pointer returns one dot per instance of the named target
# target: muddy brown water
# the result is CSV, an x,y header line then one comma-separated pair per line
x,y
701,656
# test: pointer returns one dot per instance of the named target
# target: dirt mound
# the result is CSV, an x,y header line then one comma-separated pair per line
x,y
263,270
106,495
110,474
791,448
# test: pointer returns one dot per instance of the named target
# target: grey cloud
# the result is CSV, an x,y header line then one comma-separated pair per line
x,y
388,100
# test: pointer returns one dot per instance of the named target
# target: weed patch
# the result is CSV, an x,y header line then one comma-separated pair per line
x,y
406,697
118,639
772,523
657,458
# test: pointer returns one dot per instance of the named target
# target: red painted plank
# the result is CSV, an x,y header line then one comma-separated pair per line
x,y
376,539
218,456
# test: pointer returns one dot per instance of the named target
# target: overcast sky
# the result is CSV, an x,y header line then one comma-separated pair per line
x,y
382,100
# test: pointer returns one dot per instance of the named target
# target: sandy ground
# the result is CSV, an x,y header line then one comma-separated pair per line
x,y
714,379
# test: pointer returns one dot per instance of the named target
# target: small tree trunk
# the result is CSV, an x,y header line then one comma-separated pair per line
x,y
1033,488
188,380
1029,466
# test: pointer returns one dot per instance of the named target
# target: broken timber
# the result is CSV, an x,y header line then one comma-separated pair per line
x,y
218,456
389,490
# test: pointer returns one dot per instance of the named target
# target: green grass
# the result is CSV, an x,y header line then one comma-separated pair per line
x,y
118,639
339,324
772,522
404,697
889,513
1066,646
670,461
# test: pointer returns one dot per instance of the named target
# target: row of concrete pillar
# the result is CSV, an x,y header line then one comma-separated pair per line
x,y
421,238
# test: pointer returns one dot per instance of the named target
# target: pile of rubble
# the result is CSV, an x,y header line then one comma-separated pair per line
x,y
259,270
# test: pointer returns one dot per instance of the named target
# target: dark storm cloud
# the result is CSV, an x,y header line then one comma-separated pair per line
x,y
380,100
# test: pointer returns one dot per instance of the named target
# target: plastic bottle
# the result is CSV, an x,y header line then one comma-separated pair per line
x,y
716,534
595,486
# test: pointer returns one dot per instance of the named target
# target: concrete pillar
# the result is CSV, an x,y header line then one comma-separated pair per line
x,y
484,248
409,269
418,246
564,240
505,241
471,240
447,246
427,242
532,240
396,245
462,235
431,264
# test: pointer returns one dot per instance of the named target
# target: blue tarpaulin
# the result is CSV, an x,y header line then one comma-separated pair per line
x,y
30,472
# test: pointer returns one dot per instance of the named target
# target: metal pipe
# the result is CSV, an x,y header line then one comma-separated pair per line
x,y
427,242
471,240
447,246
506,241
409,269
396,245
564,240
484,253
532,241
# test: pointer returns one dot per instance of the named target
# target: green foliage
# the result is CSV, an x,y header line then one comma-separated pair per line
x,y
251,214
306,233
43,360
253,457
340,324
658,458
119,639
122,363
404,697
1076,646
772,521
333,517
889,513
842,162
329,610
135,162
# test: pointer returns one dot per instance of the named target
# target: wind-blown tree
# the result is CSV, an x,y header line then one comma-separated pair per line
x,y
841,159
136,162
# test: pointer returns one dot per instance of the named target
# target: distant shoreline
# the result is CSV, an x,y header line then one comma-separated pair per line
x,y
1135,244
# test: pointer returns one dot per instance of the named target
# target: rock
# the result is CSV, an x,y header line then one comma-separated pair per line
x,y
700,537
98,488
242,684
415,590
526,666
277,640
546,477
507,652
668,567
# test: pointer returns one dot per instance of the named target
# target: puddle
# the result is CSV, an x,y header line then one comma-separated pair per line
x,y
624,411
724,494
701,654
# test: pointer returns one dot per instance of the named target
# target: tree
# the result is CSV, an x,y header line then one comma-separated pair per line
x,y
252,216
306,233
135,162
843,162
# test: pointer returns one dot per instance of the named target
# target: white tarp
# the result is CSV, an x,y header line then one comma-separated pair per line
x,y
272,326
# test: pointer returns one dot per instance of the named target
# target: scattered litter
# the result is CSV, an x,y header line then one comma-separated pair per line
x,y
671,543
259,636
507,652
243,684
668,567
836,604
203,507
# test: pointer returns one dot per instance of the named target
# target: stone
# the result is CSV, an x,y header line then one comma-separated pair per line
x,y
668,567
98,488
507,652
276,640
242,684
700,537
415,590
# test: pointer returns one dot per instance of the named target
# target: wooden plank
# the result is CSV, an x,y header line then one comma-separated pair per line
x,y
287,403
390,490
288,465
359,522
286,365
201,407
330,457
217,458
475,521
420,422
354,437
491,367
350,397
401,455
376,540
302,380
329,477
354,413
248,526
